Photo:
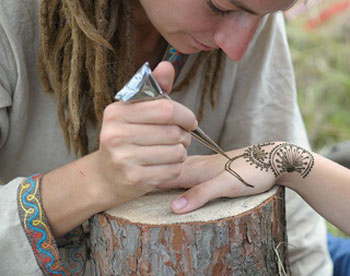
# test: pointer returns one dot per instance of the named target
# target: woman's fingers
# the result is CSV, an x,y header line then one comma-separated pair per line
x,y
160,112
151,135
152,155
143,144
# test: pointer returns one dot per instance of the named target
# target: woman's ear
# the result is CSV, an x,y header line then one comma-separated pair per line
x,y
164,73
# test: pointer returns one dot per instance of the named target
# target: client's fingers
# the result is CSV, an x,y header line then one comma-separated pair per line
x,y
203,193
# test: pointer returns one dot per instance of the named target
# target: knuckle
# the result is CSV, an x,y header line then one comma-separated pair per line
x,y
133,177
113,136
194,122
180,152
174,133
191,120
106,138
121,134
175,171
114,111
122,157
119,161
200,191
167,110
116,161
110,112
187,140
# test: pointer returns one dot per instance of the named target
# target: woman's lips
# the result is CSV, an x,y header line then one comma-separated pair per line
x,y
202,46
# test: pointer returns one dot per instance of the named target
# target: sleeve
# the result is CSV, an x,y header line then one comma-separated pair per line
x,y
26,241
64,256
26,237
264,108
17,257
7,75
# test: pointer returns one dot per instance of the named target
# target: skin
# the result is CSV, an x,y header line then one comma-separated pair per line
x,y
112,174
160,137
184,23
326,188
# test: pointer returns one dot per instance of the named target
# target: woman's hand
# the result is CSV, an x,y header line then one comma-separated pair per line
x,y
143,144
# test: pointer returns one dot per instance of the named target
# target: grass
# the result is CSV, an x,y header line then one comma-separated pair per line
x,y
322,68
321,59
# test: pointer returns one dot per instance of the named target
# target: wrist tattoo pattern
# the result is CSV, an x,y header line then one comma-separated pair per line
x,y
36,227
291,158
282,158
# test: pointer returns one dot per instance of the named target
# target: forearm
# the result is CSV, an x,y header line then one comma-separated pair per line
x,y
68,195
323,184
73,193
326,188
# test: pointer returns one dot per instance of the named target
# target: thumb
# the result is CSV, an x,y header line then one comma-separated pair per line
x,y
164,73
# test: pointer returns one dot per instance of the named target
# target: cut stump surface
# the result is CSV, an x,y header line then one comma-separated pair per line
x,y
243,236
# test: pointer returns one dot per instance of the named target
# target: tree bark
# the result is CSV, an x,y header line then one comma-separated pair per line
x,y
245,236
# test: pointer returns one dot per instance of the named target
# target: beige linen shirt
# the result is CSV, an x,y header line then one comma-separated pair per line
x,y
257,103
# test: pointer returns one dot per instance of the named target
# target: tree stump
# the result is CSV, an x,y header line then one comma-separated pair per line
x,y
243,236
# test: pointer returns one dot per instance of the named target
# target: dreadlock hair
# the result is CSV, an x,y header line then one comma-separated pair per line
x,y
87,54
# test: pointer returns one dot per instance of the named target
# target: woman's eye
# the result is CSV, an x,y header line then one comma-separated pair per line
x,y
217,10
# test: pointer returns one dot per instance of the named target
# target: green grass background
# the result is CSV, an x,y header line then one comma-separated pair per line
x,y
321,59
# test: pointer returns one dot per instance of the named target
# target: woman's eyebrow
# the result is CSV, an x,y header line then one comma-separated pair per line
x,y
241,6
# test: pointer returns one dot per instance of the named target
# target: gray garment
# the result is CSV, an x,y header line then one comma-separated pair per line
x,y
256,103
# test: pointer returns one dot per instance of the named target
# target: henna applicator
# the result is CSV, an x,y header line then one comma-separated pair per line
x,y
142,87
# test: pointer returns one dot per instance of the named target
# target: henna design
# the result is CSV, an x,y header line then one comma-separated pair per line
x,y
234,173
257,156
291,158
284,157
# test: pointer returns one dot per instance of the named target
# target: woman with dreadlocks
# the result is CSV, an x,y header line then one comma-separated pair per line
x,y
232,68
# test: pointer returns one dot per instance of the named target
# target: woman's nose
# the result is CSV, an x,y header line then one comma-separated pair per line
x,y
235,32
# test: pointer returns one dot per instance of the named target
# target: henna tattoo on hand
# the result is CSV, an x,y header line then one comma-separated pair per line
x,y
291,158
257,156
234,173
282,158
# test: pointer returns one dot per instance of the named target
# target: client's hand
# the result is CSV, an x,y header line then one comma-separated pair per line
x,y
210,177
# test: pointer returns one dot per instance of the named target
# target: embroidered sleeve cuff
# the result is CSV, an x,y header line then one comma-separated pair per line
x,y
37,229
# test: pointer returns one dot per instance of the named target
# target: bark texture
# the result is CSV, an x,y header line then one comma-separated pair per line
x,y
252,243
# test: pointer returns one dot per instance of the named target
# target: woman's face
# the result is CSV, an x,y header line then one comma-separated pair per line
x,y
196,25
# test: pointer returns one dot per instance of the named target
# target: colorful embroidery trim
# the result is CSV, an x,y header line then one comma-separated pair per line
x,y
176,59
175,56
72,248
36,227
